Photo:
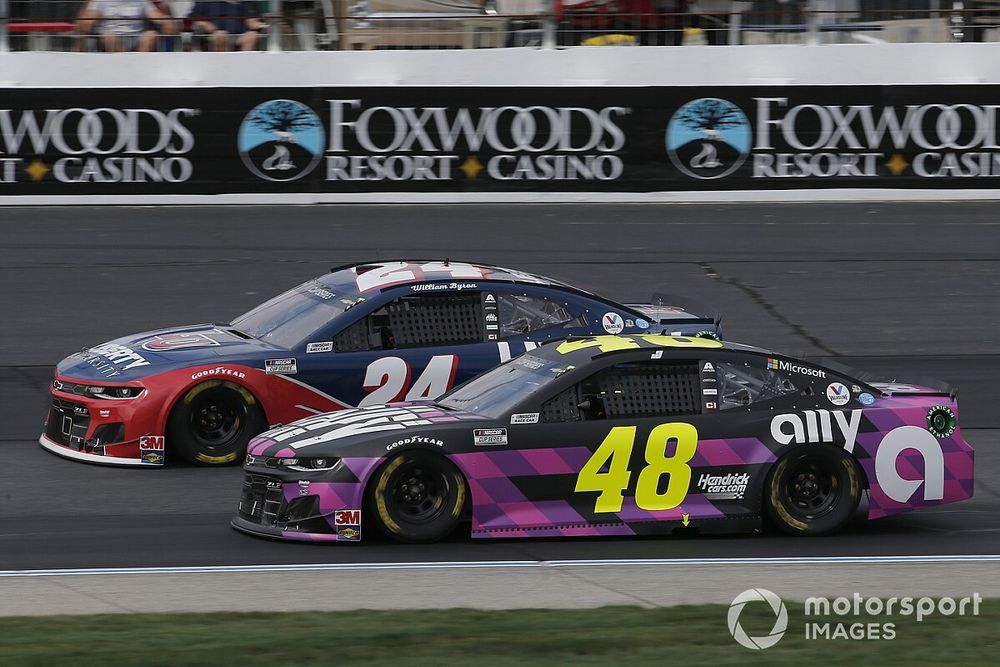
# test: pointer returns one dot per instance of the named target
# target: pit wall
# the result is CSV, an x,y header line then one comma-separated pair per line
x,y
892,121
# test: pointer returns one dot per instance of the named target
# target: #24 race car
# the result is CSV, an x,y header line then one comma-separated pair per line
x,y
360,335
614,435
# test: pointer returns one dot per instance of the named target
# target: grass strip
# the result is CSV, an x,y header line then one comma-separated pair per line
x,y
609,635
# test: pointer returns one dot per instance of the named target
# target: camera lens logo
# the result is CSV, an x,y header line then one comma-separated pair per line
x,y
780,622
281,140
708,138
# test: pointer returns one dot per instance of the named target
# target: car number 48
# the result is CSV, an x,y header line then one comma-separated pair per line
x,y
615,452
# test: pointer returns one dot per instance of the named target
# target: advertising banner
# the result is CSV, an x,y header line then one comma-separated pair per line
x,y
496,139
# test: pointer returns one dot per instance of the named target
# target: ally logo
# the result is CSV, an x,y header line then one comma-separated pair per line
x,y
708,138
281,140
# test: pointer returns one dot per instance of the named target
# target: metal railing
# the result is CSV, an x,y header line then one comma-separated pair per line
x,y
27,25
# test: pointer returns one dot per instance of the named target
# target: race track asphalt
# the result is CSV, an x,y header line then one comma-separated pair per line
x,y
891,287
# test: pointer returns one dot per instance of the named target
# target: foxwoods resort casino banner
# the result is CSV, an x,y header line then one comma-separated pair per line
x,y
400,139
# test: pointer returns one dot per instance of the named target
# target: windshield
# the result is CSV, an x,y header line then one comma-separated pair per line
x,y
290,318
494,393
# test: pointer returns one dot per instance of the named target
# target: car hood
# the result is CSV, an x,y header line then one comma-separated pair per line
x,y
366,431
138,355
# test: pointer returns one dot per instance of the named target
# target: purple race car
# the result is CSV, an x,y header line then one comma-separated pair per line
x,y
614,435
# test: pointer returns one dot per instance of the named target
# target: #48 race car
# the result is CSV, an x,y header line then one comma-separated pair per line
x,y
360,335
614,435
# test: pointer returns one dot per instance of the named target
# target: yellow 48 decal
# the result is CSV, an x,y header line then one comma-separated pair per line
x,y
616,450
614,343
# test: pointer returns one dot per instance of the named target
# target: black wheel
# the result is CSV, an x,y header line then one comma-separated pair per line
x,y
213,422
813,490
417,497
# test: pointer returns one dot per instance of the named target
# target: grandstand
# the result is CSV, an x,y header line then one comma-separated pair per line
x,y
293,25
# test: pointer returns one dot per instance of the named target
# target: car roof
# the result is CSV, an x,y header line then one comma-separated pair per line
x,y
579,350
349,278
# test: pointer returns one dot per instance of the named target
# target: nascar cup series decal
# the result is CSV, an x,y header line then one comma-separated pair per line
x,y
281,140
708,138
489,437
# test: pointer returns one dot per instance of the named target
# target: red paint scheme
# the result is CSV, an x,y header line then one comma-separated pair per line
x,y
147,414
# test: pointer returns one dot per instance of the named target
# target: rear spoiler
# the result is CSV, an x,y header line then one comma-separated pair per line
x,y
920,388
702,313
896,386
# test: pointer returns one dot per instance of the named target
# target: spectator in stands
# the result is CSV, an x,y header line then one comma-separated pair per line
x,y
654,22
712,18
230,24
302,14
123,25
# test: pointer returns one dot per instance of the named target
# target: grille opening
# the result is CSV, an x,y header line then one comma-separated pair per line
x,y
261,500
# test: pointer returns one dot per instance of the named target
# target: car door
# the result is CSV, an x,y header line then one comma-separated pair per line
x,y
610,454
417,345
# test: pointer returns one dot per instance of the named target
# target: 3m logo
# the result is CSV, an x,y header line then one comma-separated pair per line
x,y
154,443
347,524
348,518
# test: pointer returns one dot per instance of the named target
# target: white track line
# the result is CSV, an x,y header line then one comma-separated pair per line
x,y
815,195
444,565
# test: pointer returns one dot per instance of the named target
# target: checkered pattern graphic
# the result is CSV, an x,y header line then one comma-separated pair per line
x,y
501,508
530,492
731,452
958,457
332,495
257,446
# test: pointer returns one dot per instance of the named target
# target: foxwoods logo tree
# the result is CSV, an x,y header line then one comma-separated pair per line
x,y
708,138
281,140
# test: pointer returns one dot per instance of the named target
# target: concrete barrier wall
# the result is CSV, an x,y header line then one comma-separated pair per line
x,y
846,64
898,121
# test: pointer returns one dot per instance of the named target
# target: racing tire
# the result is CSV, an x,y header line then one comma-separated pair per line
x,y
417,496
813,490
212,423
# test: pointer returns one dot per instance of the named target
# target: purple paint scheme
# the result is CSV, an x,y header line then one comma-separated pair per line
x,y
958,457
520,485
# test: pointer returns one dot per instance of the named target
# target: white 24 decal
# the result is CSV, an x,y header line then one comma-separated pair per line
x,y
388,378
395,273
